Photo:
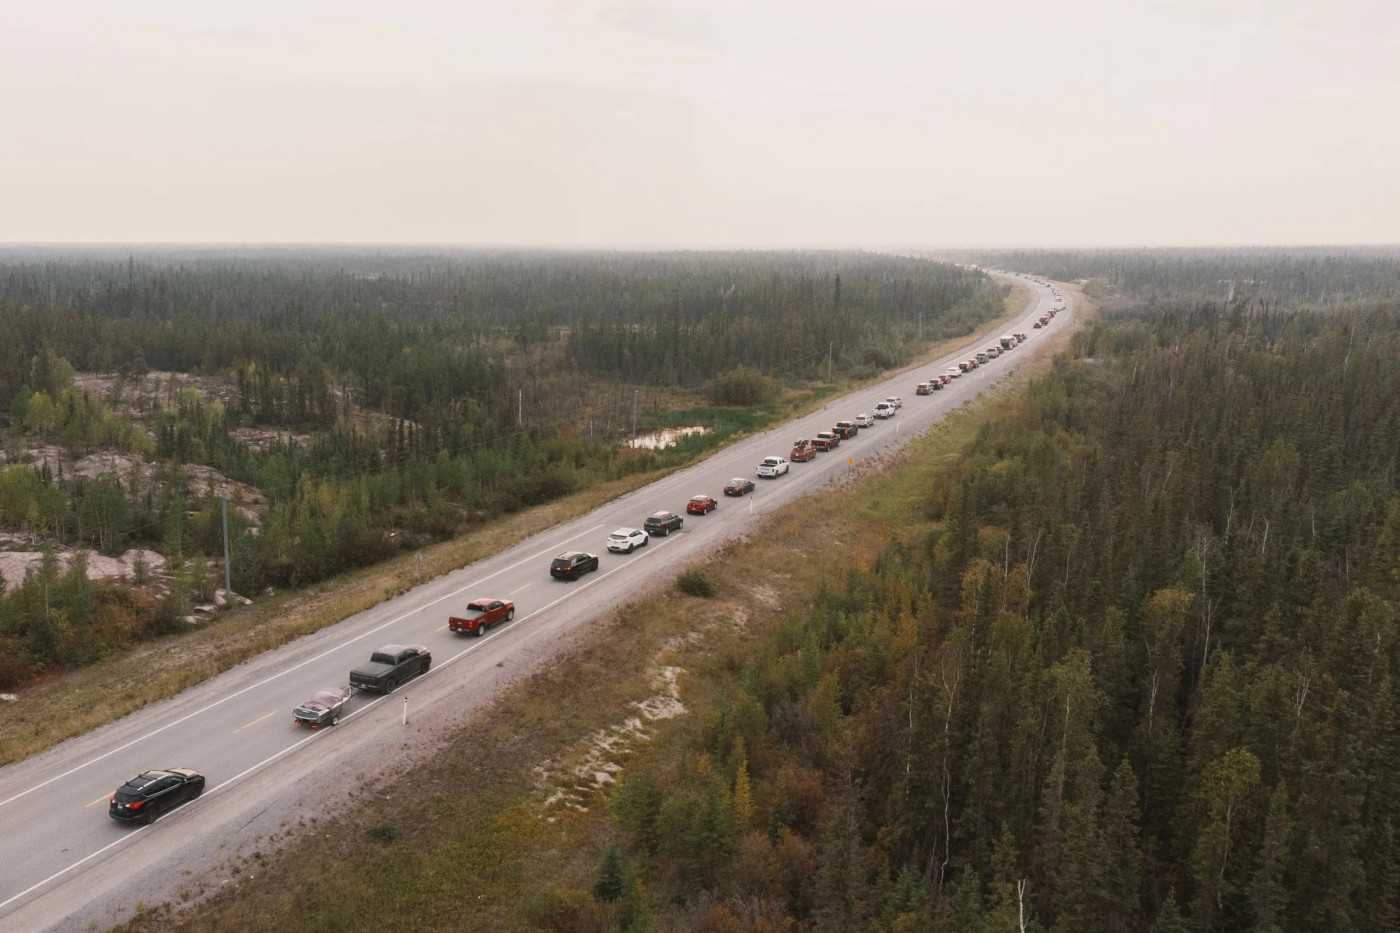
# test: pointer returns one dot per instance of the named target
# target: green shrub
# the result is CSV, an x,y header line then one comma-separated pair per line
x,y
696,583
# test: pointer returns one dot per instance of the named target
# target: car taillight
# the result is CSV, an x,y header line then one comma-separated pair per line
x,y
136,805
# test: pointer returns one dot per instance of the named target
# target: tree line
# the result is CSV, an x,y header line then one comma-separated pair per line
x,y
432,392
1140,674
1295,277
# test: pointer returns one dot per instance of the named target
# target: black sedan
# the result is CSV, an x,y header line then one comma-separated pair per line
x,y
573,564
147,796
738,486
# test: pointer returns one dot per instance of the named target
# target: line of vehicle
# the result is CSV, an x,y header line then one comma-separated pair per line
x,y
283,673
573,591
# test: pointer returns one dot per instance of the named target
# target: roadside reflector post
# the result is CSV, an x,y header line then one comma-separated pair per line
x,y
405,711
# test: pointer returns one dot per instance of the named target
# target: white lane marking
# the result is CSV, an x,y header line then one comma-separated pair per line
x,y
59,874
573,591
283,673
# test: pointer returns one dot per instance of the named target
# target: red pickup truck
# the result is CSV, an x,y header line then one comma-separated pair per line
x,y
481,614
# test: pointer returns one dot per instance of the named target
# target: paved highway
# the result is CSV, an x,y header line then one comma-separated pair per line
x,y
64,864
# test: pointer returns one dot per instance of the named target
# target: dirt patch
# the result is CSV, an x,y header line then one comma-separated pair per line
x,y
597,761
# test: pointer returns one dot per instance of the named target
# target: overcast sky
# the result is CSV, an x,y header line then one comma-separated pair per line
x,y
717,123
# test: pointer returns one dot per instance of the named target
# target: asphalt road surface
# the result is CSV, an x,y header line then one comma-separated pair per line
x,y
64,864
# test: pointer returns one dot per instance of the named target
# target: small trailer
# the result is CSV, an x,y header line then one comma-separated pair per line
x,y
324,708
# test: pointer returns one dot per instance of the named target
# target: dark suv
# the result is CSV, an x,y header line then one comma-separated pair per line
x,y
573,564
147,796
662,523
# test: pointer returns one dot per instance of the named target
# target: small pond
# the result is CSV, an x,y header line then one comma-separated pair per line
x,y
668,436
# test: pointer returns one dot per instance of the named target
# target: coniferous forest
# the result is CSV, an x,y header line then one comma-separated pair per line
x,y
1141,673
363,404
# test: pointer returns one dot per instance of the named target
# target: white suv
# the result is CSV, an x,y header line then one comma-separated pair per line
x,y
627,540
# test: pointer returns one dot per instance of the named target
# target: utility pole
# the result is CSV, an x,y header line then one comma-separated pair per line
x,y
228,575
636,394
921,324
828,359
520,407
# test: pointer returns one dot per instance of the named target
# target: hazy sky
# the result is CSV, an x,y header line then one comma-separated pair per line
x,y
716,123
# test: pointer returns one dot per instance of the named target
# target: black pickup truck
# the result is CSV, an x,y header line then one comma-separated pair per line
x,y
390,666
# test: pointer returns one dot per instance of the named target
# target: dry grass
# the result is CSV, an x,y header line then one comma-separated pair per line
x,y
491,860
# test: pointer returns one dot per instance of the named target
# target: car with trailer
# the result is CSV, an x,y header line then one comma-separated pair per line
x,y
390,666
323,709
